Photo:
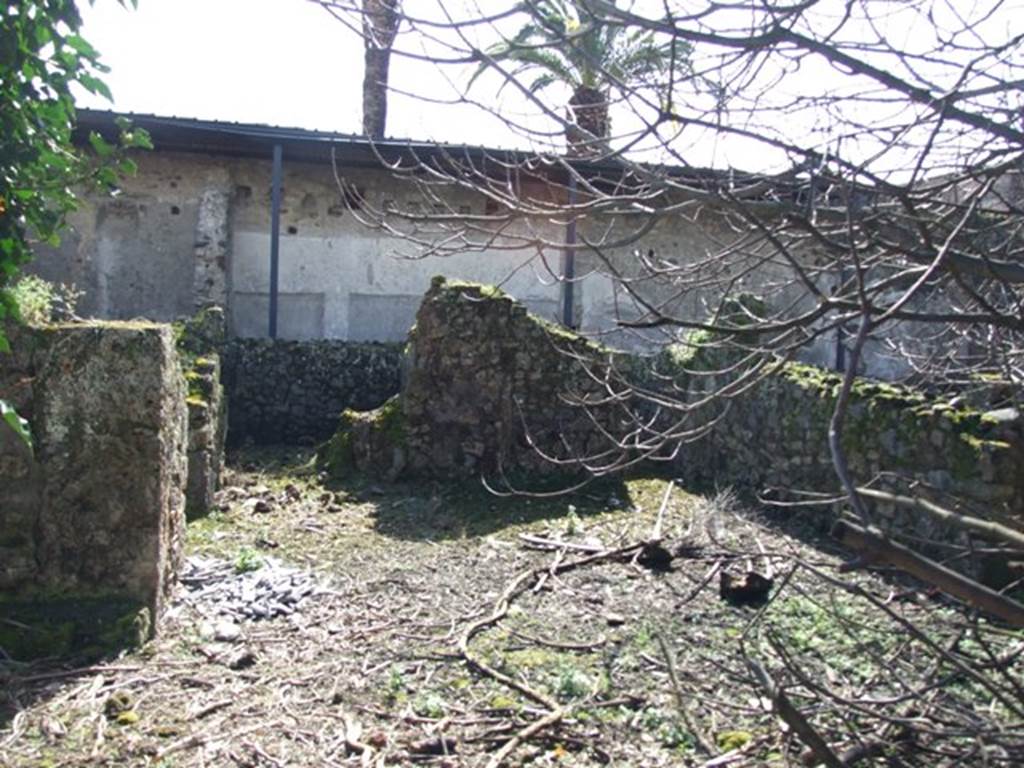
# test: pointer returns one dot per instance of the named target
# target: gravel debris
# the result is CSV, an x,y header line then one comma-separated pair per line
x,y
271,590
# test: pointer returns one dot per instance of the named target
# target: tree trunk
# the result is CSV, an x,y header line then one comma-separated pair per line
x,y
380,25
589,108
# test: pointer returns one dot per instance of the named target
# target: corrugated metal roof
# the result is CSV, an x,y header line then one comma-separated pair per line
x,y
225,138
255,140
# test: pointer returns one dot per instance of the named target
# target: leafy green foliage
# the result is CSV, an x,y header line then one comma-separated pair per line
x,y
39,301
10,417
565,42
32,299
42,57
247,561
572,683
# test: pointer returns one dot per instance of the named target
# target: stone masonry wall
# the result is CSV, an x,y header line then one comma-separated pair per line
x,y
207,433
773,439
94,515
294,391
199,341
486,385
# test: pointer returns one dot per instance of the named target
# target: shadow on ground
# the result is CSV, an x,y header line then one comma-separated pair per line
x,y
468,510
423,510
25,684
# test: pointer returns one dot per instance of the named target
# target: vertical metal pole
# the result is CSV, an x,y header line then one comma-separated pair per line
x,y
569,266
840,333
275,237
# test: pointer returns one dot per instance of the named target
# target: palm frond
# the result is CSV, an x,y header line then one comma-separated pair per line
x,y
544,59
544,81
568,41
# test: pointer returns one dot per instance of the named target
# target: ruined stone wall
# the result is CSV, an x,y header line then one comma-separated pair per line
x,y
486,386
207,433
199,341
92,518
772,441
294,391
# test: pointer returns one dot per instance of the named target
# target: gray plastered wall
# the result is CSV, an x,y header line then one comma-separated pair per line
x,y
190,230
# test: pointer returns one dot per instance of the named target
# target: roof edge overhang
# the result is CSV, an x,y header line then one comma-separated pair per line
x,y
253,140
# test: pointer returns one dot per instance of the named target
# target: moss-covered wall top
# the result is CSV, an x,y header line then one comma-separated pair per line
x,y
489,388
774,440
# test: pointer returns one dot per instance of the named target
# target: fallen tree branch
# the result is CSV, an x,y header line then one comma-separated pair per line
x,y
987,529
656,533
581,647
794,718
542,543
514,589
533,728
681,705
879,549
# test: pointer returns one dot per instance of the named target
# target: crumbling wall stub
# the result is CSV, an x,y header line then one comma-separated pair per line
x,y
111,435
207,433
774,441
95,516
199,341
487,386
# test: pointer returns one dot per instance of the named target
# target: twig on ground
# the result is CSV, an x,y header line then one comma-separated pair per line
x,y
518,585
681,705
794,718
659,521
561,646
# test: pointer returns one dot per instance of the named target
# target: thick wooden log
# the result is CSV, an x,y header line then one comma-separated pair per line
x,y
876,548
987,529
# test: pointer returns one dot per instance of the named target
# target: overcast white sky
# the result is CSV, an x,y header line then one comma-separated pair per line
x,y
281,62
288,62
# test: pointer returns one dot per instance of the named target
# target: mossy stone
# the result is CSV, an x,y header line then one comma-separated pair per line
x,y
67,625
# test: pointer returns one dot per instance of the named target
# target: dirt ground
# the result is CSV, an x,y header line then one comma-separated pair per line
x,y
453,628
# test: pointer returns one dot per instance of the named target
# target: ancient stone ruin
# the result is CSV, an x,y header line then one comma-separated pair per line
x,y
129,421
199,341
128,426
93,515
488,388
493,391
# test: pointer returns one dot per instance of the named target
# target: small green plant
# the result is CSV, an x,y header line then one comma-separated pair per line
x,y
572,683
40,301
248,560
674,735
33,297
730,740
651,719
431,705
644,636
395,686
573,524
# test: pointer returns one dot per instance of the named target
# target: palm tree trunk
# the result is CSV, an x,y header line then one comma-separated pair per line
x,y
589,108
380,25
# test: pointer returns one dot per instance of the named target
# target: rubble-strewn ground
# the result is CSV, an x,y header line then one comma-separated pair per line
x,y
371,588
